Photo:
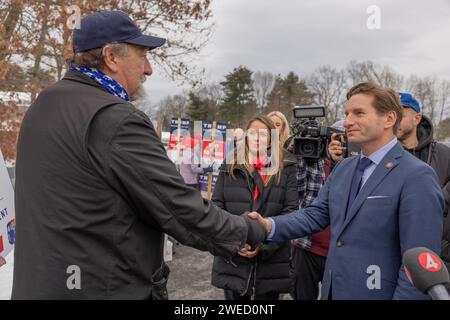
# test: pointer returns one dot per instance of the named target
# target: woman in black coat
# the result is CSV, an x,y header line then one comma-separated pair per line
x,y
270,188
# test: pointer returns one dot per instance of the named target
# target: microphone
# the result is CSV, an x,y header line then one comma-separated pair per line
x,y
427,272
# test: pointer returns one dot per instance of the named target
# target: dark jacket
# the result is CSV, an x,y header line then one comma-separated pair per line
x,y
445,248
437,155
95,191
269,270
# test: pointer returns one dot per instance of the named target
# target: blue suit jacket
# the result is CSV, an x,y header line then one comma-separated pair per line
x,y
399,207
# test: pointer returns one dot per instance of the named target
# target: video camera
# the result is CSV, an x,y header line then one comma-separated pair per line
x,y
310,139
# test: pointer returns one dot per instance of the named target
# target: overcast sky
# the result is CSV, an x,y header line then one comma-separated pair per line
x,y
300,35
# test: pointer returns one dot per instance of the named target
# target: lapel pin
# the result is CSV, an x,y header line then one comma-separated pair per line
x,y
389,165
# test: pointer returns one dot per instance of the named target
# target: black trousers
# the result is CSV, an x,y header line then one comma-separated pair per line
x,y
308,269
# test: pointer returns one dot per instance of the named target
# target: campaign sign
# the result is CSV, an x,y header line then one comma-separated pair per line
x,y
206,135
203,182
214,147
213,152
7,213
176,138
11,227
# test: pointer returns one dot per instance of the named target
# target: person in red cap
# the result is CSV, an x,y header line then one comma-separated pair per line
x,y
95,190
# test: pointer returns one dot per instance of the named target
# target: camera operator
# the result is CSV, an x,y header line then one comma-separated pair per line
x,y
309,253
338,148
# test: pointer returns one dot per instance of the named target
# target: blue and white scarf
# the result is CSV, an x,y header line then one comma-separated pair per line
x,y
107,82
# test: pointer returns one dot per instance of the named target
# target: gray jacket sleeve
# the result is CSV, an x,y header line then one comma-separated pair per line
x,y
134,162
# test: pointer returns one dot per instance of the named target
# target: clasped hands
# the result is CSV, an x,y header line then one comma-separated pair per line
x,y
247,251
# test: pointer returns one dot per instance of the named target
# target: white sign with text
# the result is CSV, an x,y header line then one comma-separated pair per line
x,y
7,213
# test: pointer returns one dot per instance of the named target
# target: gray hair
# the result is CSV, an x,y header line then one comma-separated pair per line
x,y
94,58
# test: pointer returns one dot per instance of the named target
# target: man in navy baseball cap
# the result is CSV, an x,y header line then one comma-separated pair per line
x,y
110,48
96,184
103,27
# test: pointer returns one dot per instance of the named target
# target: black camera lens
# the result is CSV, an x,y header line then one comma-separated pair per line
x,y
308,148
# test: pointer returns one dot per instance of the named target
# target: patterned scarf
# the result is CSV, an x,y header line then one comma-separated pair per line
x,y
107,82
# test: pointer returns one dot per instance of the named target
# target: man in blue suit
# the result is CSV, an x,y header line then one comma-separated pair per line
x,y
378,204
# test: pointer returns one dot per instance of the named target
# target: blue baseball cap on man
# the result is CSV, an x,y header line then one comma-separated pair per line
x,y
408,101
103,27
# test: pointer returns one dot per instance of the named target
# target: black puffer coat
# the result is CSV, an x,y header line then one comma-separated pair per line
x,y
270,269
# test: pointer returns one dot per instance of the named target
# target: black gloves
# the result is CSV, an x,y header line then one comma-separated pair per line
x,y
256,233
208,169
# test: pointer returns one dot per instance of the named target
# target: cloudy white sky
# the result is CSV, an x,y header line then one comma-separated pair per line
x,y
299,35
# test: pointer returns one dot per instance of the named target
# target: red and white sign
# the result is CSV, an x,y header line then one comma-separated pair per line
x,y
430,262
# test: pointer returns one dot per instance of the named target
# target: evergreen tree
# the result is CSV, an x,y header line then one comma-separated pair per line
x,y
198,108
239,103
287,93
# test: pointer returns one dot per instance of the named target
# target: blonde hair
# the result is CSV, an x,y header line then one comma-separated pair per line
x,y
284,132
279,153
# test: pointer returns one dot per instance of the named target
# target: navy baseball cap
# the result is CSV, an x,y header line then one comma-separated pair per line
x,y
408,101
103,27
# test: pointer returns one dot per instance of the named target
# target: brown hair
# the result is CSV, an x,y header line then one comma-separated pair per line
x,y
94,58
247,165
385,99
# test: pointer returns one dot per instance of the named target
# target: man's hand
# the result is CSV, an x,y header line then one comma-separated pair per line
x,y
256,231
266,222
247,252
2,261
335,148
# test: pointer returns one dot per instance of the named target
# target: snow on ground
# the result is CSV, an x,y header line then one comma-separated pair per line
x,y
6,277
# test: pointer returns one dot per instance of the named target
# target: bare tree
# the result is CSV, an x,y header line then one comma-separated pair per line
x,y
43,37
425,91
35,39
443,99
213,94
443,132
9,126
329,86
263,84
9,15
171,106
369,71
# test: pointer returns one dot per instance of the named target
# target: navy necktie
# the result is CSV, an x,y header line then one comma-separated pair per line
x,y
363,164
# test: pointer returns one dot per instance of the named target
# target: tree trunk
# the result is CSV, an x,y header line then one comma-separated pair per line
x,y
39,52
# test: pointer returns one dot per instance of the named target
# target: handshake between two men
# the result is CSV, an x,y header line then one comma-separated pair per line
x,y
256,235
